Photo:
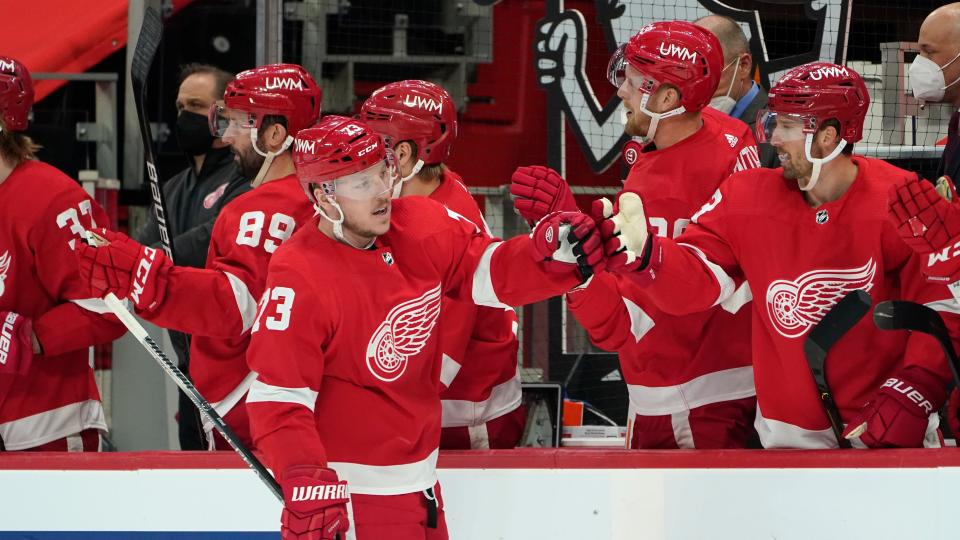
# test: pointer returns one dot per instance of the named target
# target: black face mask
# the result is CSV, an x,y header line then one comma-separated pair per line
x,y
193,133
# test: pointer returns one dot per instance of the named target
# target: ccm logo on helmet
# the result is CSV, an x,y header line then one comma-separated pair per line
x,y
677,51
306,147
7,66
276,83
829,72
426,104
366,150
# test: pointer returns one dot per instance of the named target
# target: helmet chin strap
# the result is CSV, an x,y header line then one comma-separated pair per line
x,y
267,155
818,162
655,117
398,187
338,225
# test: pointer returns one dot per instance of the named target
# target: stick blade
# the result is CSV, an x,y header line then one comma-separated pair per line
x,y
843,316
903,315
147,45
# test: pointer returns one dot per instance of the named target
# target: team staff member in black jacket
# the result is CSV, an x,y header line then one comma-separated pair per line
x,y
194,197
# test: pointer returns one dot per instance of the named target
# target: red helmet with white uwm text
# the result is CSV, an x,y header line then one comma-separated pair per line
x,y
820,91
678,53
16,94
417,111
285,90
337,146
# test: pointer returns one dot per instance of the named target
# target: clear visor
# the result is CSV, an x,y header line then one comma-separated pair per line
x,y
364,185
620,71
774,127
224,121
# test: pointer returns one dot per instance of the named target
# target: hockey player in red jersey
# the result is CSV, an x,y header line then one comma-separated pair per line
x,y
689,377
262,110
48,397
344,342
481,401
803,236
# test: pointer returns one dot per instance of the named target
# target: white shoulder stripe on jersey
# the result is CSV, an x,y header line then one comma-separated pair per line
x,y
483,292
640,322
246,303
261,392
727,286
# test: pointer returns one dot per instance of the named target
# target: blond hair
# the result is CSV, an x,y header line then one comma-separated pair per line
x,y
16,147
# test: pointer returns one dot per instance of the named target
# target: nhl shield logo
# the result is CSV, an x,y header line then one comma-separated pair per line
x,y
822,217
387,258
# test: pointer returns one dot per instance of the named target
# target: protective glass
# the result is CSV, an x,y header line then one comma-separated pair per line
x,y
783,127
224,121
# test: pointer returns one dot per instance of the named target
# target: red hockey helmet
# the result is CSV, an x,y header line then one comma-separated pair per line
x,y
678,53
814,93
334,151
16,94
285,90
417,111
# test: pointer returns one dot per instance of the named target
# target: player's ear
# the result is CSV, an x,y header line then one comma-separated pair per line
x,y
404,153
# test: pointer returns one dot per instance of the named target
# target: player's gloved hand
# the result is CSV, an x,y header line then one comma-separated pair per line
x,y
897,417
558,48
928,220
125,268
16,353
566,240
538,191
314,504
628,245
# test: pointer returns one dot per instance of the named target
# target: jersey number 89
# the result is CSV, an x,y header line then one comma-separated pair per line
x,y
251,229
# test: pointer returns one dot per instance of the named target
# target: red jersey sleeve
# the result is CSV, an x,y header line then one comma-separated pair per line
x,y
699,269
488,272
287,350
220,300
68,326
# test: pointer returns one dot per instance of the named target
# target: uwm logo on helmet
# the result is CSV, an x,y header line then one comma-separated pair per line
x,y
825,73
304,147
284,83
7,66
425,103
676,51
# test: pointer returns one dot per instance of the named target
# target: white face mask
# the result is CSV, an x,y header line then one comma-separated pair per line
x,y
725,103
926,79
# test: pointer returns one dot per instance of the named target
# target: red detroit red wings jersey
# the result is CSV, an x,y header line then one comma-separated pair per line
x,y
44,214
218,303
479,344
672,363
799,261
346,344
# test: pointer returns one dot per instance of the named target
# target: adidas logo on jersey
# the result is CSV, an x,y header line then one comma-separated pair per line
x,y
829,73
731,140
678,52
420,102
286,83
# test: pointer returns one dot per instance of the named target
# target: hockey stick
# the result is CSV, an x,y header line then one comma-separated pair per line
x,y
150,32
904,315
184,383
843,316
